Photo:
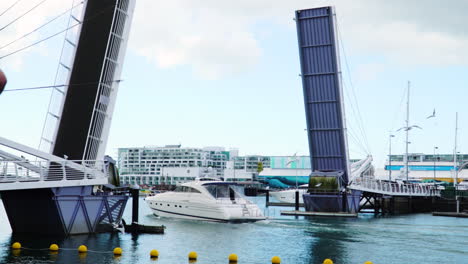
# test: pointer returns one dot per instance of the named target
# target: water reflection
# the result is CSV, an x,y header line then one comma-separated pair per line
x,y
416,238
330,238
35,249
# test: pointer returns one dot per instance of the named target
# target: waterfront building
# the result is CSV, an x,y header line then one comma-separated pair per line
x,y
174,164
245,168
426,166
170,164
286,171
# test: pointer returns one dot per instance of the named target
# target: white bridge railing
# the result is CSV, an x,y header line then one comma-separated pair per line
x,y
64,172
393,188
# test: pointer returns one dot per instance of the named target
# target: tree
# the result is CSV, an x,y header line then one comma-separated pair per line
x,y
259,167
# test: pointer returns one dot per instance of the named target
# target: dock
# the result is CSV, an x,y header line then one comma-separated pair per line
x,y
450,214
328,214
283,204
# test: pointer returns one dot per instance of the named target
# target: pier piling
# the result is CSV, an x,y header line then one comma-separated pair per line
x,y
267,197
135,196
297,200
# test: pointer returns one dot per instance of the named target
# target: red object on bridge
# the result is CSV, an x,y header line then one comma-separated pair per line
x,y
3,81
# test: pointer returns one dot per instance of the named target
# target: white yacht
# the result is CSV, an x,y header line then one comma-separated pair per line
x,y
205,200
289,195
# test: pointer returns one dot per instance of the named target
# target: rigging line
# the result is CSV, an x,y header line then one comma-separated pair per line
x,y
359,116
350,81
398,110
356,140
43,25
353,110
56,34
57,86
360,148
27,12
10,7
360,129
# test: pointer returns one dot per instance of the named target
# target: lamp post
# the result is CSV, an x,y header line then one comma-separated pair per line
x,y
435,158
390,157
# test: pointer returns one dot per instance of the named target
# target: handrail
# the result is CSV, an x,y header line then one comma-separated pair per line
x,y
394,188
51,170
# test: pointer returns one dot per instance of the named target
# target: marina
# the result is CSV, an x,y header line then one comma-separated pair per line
x,y
68,201
315,239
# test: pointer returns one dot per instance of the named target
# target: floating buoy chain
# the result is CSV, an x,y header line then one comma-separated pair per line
x,y
154,254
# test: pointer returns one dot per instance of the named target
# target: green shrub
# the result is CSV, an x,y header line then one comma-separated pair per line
x,y
323,184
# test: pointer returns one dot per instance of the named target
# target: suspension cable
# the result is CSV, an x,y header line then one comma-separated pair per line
x,y
58,86
24,14
56,34
10,7
360,121
355,113
43,25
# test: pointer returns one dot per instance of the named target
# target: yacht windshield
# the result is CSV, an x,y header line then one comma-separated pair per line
x,y
222,191
186,189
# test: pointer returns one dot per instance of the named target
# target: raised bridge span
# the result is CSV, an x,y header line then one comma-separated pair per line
x,y
54,183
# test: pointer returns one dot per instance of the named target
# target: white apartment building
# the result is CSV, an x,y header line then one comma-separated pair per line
x,y
170,164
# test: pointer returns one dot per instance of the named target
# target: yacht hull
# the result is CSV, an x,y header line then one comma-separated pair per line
x,y
217,211
288,196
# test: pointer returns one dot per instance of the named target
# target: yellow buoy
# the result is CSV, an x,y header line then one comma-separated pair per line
x,y
328,261
154,253
368,262
192,255
82,249
16,245
54,247
232,258
117,251
275,260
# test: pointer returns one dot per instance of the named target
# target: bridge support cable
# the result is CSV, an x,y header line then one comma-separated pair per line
x,y
353,100
40,27
10,7
55,34
21,16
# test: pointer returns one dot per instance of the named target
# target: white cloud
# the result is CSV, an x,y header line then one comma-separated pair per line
x,y
212,43
216,37
26,24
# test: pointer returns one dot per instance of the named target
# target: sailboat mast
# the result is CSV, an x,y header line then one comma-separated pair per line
x,y
455,151
407,132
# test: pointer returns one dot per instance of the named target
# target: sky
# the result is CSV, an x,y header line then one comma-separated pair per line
x,y
226,73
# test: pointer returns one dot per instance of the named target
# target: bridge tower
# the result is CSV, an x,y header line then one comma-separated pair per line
x,y
76,131
324,106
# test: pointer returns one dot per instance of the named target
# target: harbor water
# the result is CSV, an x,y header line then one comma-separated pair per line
x,y
416,238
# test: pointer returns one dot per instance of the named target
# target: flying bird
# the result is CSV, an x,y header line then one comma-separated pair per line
x,y
409,128
431,116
